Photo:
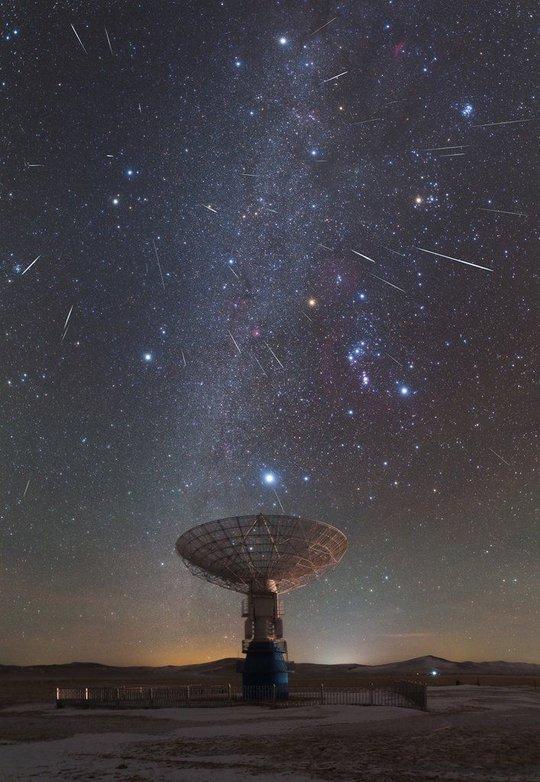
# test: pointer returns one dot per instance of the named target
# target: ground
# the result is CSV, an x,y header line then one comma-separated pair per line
x,y
483,734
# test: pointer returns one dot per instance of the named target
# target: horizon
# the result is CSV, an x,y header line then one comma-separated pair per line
x,y
240,656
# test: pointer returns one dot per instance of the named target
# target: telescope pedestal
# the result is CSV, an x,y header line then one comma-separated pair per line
x,y
265,666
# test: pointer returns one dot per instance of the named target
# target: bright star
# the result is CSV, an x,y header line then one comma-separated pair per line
x,y
269,478
116,201
283,41
404,391
147,357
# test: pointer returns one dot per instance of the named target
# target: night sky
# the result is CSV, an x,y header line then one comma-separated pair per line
x,y
224,290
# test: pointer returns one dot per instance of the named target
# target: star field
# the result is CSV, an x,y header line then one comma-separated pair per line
x,y
268,257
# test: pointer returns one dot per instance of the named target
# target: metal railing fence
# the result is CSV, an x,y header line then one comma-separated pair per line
x,y
410,695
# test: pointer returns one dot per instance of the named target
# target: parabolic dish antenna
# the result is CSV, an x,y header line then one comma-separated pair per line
x,y
261,553
262,556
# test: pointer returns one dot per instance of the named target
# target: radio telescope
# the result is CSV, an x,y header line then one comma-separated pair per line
x,y
262,556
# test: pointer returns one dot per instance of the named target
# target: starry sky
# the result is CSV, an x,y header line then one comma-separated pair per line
x,y
263,257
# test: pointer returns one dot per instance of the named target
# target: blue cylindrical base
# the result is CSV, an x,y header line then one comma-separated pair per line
x,y
265,667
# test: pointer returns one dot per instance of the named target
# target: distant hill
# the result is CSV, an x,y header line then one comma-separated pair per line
x,y
227,667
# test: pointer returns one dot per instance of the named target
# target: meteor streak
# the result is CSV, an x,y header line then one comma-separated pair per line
x,y
109,41
67,321
159,265
335,77
388,283
504,212
504,122
363,256
501,458
272,352
450,258
30,266
79,39
436,149
235,343
324,25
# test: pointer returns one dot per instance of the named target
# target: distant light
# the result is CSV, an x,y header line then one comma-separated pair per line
x,y
116,201
312,302
147,357
283,41
418,200
404,391
269,478
434,673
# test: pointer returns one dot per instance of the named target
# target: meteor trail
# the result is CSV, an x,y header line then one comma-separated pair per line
x,y
335,77
272,352
450,258
159,265
363,256
30,266
363,121
279,501
325,247
324,25
26,489
394,360
435,149
79,39
68,315
260,365
235,343
498,455
504,122
388,283
210,208
503,212
67,321
109,41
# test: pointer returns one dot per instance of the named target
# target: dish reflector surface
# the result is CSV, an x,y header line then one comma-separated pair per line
x,y
261,553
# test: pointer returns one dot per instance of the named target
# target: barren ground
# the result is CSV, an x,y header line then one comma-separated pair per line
x,y
470,733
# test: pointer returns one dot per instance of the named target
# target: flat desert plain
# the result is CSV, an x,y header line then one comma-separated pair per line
x,y
469,733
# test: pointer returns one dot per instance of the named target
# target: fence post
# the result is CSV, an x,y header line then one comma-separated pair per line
x,y
151,696
370,695
322,693
229,690
274,693
187,694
